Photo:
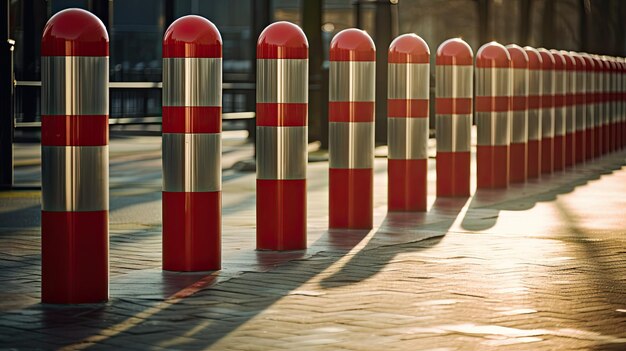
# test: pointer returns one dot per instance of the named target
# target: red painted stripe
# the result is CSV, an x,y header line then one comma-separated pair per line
x,y
570,149
590,98
493,103
534,159
287,114
192,119
518,163
410,108
453,174
450,106
344,111
547,155
407,185
534,102
579,98
192,231
281,214
589,143
559,153
74,257
580,143
547,101
559,100
83,130
351,198
492,166
569,99
519,103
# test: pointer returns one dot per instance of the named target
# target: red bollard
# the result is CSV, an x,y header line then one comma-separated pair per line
x,y
622,99
599,111
453,106
616,138
580,106
518,164
590,106
560,110
282,119
351,129
535,88
606,102
407,112
493,116
74,159
192,125
570,110
547,111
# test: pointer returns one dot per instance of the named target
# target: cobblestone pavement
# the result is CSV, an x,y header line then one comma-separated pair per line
x,y
540,266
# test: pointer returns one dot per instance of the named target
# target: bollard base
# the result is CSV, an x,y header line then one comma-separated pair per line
x,y
579,149
534,159
559,153
351,204
547,155
192,231
518,163
453,174
589,144
281,214
492,166
570,149
597,133
74,257
407,181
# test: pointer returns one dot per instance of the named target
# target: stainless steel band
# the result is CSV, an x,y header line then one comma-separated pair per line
x,y
352,81
493,82
547,122
408,138
74,85
282,81
351,144
519,131
192,81
408,81
559,82
559,120
281,152
548,81
75,178
534,124
521,84
535,82
192,162
494,128
454,81
580,117
453,133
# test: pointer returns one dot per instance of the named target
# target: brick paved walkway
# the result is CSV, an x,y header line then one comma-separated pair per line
x,y
540,266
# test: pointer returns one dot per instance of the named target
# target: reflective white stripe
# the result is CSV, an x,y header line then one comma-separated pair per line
x,y
519,131
408,138
352,81
74,178
547,122
559,82
282,81
494,128
74,85
534,124
351,144
493,82
559,120
453,133
281,152
408,81
454,81
192,81
192,162
535,82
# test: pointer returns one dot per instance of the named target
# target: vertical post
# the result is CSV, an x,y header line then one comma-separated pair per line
x,y
570,108
493,116
580,139
261,18
535,91
518,165
407,111
616,138
606,102
75,159
6,100
590,106
547,111
282,118
351,130
560,112
384,32
622,96
453,104
192,145
599,110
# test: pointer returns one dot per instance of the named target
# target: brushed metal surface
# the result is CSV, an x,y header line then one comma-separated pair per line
x,y
453,132
352,81
519,127
547,122
408,81
351,144
534,124
192,162
454,81
282,81
407,138
493,128
493,82
281,152
191,81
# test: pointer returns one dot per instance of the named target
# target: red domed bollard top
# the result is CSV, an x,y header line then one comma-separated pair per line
x,y
580,137
281,137
407,112
560,83
547,111
590,106
75,159
518,165
453,106
351,129
535,88
570,110
192,125
493,116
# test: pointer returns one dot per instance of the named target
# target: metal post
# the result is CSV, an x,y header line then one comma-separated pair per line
x,y
6,101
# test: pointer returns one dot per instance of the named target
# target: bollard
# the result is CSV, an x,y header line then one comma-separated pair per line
x,y
282,119
570,110
535,87
622,99
493,115
599,111
560,110
616,138
580,104
351,129
74,159
518,155
407,112
606,102
453,106
547,111
192,124
590,106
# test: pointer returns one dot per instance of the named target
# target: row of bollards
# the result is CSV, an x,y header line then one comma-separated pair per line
x,y
536,111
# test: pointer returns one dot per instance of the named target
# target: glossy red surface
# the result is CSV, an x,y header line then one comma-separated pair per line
x,y
519,58
81,130
352,45
570,147
281,214
192,119
408,48
534,159
559,60
580,144
351,198
534,58
493,55
492,166
453,174
282,40
547,155
74,32
518,163
590,143
192,36
448,106
519,103
493,103
454,52
412,108
559,153
547,59
281,114
357,111
407,181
